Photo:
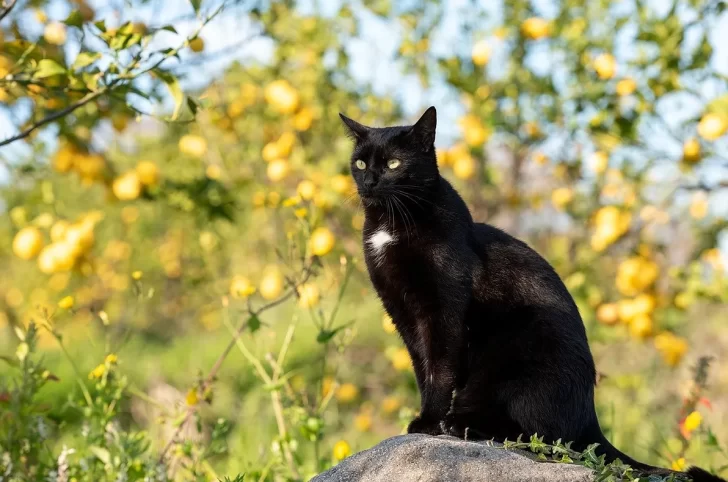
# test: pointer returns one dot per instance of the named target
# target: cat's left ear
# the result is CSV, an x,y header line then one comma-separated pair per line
x,y
424,129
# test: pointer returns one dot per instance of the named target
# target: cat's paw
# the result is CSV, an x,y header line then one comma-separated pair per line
x,y
424,425
456,425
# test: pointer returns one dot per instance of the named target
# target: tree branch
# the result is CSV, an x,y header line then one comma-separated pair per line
x,y
6,9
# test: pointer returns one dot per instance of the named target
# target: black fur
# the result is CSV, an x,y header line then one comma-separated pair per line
x,y
498,346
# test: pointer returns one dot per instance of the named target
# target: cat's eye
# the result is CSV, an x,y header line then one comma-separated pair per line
x,y
360,164
393,163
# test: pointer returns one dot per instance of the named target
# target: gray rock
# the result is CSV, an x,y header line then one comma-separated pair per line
x,y
422,458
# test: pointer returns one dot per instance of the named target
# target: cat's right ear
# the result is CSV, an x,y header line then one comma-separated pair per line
x,y
357,131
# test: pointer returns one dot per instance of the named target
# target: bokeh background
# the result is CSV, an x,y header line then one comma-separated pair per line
x,y
183,293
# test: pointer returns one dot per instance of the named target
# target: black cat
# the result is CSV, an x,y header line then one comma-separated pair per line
x,y
497,343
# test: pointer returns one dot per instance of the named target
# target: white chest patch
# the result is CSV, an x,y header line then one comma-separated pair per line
x,y
379,240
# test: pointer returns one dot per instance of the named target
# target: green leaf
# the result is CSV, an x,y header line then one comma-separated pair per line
x,y
325,335
175,89
84,59
192,105
169,28
75,19
196,5
254,324
101,25
48,68
102,454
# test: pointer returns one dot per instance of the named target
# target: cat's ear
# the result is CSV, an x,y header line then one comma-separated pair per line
x,y
424,129
356,130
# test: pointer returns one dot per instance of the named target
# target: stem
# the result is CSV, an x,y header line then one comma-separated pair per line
x,y
76,371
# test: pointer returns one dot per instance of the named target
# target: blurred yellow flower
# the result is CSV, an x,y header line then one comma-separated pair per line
x,y
127,187
481,53
626,86
699,205
474,132
191,398
97,372
341,184
347,393
712,126
271,285
636,274
27,244
148,173
241,287
561,197
193,145
213,171
641,326
326,385
341,450
322,241
464,167
605,65
303,119
535,28
137,275
363,422
401,360
306,189
111,358
390,405
692,421
671,347
608,313
66,303
55,33
388,324
277,170
691,151
308,295
281,96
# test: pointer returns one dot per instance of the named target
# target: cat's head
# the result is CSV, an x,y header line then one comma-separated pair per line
x,y
387,160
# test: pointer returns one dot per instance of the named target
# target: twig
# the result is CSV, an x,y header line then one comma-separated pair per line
x,y
55,116
7,9
236,336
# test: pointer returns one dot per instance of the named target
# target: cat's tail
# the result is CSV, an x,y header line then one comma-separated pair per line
x,y
612,453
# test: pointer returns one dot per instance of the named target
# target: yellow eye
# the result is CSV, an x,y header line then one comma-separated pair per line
x,y
360,164
393,163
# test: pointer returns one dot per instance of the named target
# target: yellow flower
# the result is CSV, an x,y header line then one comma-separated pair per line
x,y
679,464
481,53
137,275
691,151
326,386
474,132
66,303
599,161
306,189
191,399
281,96
303,119
605,66
671,347
699,205
271,286
641,326
464,167
363,422
390,405
341,450
401,360
535,28
55,33
322,241
97,372
193,145
608,313
561,197
626,87
692,421
347,393
27,243
127,187
111,358
341,184
277,170
308,295
388,324
712,126
148,173
636,274
241,287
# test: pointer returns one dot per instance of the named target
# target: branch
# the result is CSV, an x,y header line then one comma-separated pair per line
x,y
55,116
7,9
308,271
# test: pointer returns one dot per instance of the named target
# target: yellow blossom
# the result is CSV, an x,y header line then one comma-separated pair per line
x,y
191,399
347,393
341,450
66,303
97,372
111,358
692,421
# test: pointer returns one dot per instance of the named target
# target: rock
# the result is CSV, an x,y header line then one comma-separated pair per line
x,y
423,458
